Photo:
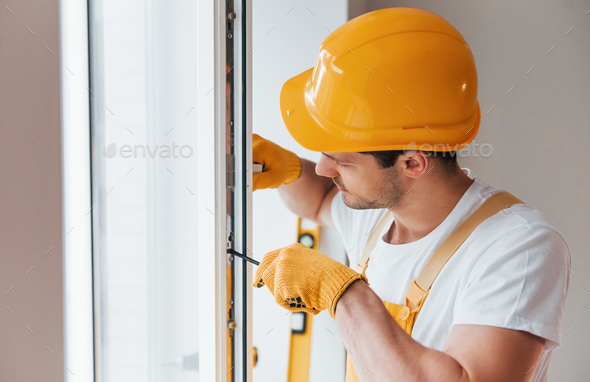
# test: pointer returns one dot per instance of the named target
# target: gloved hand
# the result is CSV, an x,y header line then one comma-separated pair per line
x,y
303,279
280,166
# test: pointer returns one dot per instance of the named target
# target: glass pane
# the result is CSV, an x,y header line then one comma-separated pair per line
x,y
143,76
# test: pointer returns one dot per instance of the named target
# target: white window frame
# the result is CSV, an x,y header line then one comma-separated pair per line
x,y
79,344
77,253
211,104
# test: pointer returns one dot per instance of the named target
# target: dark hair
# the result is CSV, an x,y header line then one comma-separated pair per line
x,y
386,159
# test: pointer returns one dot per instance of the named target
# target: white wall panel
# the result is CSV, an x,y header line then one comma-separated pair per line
x,y
287,37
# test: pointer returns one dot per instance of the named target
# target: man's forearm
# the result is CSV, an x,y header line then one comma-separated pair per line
x,y
304,196
381,348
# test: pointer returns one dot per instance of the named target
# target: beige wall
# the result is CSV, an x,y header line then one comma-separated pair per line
x,y
539,131
30,193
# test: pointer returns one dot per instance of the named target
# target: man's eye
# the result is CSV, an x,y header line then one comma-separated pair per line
x,y
340,164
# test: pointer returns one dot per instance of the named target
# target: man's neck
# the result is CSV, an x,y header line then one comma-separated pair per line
x,y
425,208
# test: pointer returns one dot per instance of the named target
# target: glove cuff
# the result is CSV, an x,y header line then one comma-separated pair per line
x,y
349,281
293,166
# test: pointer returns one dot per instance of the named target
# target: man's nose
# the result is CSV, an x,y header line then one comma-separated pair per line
x,y
326,167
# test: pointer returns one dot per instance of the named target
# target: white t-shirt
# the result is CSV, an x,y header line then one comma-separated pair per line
x,y
511,272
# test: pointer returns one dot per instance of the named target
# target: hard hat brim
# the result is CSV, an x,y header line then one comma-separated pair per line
x,y
310,133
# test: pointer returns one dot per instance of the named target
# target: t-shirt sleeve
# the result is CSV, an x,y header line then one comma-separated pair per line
x,y
519,282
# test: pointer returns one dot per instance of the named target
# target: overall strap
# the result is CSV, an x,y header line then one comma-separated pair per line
x,y
362,264
420,287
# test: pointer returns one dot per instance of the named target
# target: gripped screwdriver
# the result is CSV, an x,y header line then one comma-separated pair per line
x,y
235,253
256,168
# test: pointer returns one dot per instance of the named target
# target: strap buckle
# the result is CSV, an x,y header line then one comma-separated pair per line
x,y
364,268
415,297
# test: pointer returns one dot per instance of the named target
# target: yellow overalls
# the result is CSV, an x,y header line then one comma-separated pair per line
x,y
405,315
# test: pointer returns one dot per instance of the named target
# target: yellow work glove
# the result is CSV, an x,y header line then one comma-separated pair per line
x,y
302,279
280,166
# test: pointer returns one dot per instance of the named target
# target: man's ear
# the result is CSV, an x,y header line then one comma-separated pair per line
x,y
415,163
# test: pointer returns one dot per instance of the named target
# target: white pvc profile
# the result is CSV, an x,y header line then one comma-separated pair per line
x,y
211,172
77,240
240,284
211,192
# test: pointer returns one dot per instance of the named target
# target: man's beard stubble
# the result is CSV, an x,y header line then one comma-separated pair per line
x,y
390,194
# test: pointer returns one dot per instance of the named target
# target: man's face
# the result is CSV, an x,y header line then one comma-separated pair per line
x,y
364,184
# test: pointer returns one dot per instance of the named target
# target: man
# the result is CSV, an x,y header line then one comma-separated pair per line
x,y
493,311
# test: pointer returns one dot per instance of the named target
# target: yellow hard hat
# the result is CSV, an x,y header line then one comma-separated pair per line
x,y
391,79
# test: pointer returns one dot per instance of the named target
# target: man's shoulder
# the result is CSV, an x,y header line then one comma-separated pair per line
x,y
516,224
519,230
526,220
524,214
